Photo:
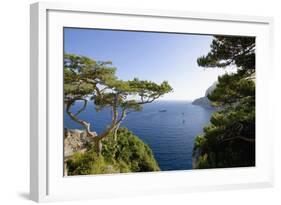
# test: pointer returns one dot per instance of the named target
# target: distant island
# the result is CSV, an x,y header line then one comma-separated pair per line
x,y
204,101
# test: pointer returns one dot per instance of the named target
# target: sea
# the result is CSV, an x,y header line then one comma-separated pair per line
x,y
168,127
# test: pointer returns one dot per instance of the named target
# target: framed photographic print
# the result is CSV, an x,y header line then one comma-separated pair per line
x,y
127,102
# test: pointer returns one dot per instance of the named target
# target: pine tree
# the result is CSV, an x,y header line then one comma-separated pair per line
x,y
88,80
229,139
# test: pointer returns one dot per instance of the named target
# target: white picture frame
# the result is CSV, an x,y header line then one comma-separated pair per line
x,y
46,159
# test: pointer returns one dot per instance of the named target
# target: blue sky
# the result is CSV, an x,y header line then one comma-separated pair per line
x,y
149,56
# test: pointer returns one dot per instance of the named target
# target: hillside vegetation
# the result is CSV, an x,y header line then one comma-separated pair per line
x,y
126,154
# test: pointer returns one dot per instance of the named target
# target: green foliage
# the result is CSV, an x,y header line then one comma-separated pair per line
x,y
232,88
231,50
225,139
130,95
200,140
88,163
149,89
127,154
82,74
229,139
203,161
85,77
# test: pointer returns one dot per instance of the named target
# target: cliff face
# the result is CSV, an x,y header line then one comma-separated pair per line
x,y
204,101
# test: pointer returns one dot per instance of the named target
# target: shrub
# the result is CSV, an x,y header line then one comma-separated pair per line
x,y
127,154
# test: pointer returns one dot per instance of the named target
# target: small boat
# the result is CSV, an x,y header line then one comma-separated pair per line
x,y
162,110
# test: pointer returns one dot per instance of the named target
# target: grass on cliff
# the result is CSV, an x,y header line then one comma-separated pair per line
x,y
127,154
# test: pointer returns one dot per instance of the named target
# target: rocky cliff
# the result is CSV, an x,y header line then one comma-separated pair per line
x,y
75,141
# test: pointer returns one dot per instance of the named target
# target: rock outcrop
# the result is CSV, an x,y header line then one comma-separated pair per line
x,y
75,141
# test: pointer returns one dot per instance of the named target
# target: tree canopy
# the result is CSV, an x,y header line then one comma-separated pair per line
x,y
231,50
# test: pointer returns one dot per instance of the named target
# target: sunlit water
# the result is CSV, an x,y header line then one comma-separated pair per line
x,y
170,134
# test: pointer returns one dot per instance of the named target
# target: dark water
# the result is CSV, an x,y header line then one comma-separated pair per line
x,y
170,134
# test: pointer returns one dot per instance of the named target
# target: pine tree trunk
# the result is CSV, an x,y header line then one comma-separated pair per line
x,y
115,131
98,146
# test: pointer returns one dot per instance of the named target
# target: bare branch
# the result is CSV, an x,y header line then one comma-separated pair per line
x,y
239,137
83,108
123,115
106,132
76,119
